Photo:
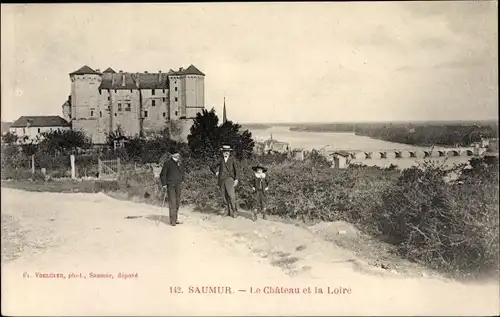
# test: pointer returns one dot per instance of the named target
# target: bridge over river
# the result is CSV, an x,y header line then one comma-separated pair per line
x,y
416,152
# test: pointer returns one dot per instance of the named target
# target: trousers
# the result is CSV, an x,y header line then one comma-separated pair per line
x,y
174,201
260,200
228,194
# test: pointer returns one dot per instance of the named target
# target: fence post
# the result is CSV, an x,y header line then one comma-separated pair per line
x,y
118,167
73,170
33,164
99,168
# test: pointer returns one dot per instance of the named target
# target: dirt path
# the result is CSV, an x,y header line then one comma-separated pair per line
x,y
93,233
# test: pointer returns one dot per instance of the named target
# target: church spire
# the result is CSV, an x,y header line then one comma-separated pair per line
x,y
224,115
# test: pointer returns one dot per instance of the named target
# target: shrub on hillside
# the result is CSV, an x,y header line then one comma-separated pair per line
x,y
65,141
453,227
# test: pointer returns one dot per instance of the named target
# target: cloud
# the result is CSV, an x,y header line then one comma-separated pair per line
x,y
273,61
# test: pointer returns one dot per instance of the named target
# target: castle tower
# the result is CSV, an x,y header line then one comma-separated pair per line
x,y
187,92
85,98
66,109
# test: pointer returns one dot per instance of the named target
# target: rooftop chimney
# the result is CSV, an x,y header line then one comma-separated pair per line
x,y
145,72
123,80
181,69
159,76
98,70
121,71
137,81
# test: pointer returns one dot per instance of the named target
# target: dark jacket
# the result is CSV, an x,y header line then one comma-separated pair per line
x,y
260,183
226,170
172,173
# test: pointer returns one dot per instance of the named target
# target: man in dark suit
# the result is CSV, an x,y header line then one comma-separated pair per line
x,y
171,177
227,173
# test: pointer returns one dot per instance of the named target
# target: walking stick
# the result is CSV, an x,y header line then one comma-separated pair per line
x,y
161,208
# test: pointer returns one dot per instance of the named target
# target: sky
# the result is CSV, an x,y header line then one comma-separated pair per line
x,y
274,62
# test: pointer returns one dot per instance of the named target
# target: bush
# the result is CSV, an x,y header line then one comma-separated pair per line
x,y
447,226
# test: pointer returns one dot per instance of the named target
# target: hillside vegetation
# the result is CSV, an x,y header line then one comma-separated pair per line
x,y
453,227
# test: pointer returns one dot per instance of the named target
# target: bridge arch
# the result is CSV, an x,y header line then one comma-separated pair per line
x,y
467,153
453,153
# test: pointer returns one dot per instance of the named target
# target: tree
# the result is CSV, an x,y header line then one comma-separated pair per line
x,y
206,137
9,138
202,139
242,142
64,141
114,135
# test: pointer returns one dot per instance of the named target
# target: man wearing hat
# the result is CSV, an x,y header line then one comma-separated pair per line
x,y
227,173
171,177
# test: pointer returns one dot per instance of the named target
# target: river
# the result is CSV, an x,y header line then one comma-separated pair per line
x,y
348,141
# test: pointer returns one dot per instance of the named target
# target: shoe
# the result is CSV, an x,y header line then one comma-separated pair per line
x,y
254,216
178,223
173,224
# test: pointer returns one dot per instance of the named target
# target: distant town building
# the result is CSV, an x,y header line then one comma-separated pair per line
x,y
30,128
5,127
340,159
139,103
270,146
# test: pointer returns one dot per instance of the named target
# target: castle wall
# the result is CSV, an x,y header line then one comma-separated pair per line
x,y
175,96
124,111
156,108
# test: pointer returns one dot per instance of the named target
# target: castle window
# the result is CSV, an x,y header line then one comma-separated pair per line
x,y
152,92
153,103
176,99
115,90
145,114
131,90
164,99
175,88
38,130
100,92
128,108
176,113
163,90
116,114
164,114
119,107
100,114
109,98
91,113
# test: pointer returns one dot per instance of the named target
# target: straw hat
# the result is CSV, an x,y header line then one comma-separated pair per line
x,y
259,166
226,148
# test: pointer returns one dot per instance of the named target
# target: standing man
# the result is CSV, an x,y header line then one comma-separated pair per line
x,y
172,176
227,173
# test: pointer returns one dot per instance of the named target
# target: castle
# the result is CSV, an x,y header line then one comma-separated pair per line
x,y
139,103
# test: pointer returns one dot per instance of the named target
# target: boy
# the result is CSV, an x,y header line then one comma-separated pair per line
x,y
260,186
